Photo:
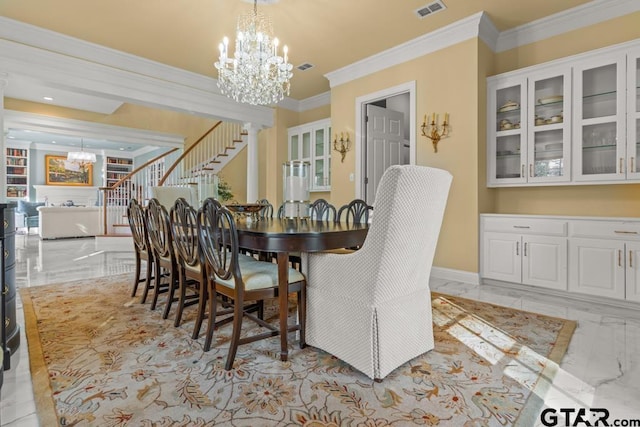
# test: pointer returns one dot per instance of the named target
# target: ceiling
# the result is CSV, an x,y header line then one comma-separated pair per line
x,y
57,140
330,34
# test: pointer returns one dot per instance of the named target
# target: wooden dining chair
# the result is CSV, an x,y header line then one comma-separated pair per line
x,y
192,287
321,210
136,215
356,211
372,307
159,229
240,278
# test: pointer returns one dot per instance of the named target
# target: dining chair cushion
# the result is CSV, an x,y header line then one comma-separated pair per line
x,y
259,274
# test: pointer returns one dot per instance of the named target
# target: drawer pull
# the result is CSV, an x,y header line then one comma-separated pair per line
x,y
521,226
625,232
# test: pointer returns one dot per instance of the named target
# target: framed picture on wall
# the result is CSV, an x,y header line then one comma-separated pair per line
x,y
60,171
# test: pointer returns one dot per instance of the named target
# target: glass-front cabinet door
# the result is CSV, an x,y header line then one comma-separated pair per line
x,y
507,132
599,120
633,114
548,136
310,142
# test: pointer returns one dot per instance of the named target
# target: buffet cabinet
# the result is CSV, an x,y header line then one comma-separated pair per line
x,y
570,121
589,256
10,332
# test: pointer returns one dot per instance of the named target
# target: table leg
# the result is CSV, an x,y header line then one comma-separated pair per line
x,y
283,300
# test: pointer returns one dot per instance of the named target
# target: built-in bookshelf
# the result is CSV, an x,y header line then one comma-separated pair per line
x,y
116,169
17,178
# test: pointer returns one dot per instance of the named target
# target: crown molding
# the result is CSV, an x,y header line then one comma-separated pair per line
x,y
72,127
581,16
66,62
457,32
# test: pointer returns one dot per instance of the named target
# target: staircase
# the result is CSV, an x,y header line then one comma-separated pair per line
x,y
197,166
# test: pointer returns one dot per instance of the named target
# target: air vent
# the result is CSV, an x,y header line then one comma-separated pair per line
x,y
304,67
430,9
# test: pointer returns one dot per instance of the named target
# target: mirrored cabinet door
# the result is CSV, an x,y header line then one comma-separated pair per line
x,y
599,120
633,114
507,149
549,143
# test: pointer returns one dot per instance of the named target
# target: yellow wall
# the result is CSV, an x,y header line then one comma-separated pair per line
x,y
446,81
620,200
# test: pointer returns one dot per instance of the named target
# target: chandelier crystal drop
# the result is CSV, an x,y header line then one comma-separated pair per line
x,y
256,74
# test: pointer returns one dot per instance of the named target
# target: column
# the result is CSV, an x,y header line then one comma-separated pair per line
x,y
252,162
4,80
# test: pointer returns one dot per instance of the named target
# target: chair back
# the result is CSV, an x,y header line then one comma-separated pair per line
x,y
267,210
321,210
280,213
167,195
356,211
218,240
184,231
159,230
402,237
137,217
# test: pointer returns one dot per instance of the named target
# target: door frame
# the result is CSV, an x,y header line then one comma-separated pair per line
x,y
360,137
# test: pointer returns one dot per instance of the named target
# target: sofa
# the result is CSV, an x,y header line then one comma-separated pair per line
x,y
73,221
29,211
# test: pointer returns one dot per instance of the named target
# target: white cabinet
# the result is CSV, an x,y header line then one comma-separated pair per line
x,y
605,259
599,121
311,142
589,256
531,252
571,121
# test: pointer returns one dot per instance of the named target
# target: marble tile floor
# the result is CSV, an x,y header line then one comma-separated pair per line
x,y
600,370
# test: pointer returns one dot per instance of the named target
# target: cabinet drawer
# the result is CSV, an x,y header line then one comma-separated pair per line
x,y
606,229
549,227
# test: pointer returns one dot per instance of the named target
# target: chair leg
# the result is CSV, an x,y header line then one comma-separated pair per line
x,y
136,276
173,283
182,295
211,319
238,314
202,305
158,279
147,282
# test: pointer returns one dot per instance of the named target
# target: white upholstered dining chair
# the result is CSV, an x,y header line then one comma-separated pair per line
x,y
372,308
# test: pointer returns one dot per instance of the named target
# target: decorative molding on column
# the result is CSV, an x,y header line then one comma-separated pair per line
x,y
252,161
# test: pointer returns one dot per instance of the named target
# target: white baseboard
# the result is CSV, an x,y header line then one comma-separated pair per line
x,y
455,275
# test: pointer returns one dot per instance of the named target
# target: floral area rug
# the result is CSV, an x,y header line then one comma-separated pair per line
x,y
100,358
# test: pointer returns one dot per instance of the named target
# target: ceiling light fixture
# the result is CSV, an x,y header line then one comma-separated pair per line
x,y
256,74
82,158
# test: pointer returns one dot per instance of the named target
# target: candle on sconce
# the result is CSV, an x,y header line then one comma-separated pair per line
x,y
433,119
446,117
425,119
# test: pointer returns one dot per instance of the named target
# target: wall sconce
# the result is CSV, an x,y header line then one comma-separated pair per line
x,y
342,145
434,135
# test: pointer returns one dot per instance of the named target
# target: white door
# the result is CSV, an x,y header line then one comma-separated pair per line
x,y
544,261
502,257
597,267
633,271
385,136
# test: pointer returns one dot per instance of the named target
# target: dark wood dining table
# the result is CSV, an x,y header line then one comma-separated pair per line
x,y
284,236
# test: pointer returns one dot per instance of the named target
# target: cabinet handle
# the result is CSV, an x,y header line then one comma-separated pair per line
x,y
531,170
522,171
619,258
621,165
525,248
625,232
630,259
521,226
517,248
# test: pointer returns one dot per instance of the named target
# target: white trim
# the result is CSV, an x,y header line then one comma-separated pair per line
x,y
572,19
455,275
359,138
457,32
72,127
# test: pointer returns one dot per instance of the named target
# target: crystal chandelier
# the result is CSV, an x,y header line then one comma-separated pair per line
x,y
82,158
256,74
